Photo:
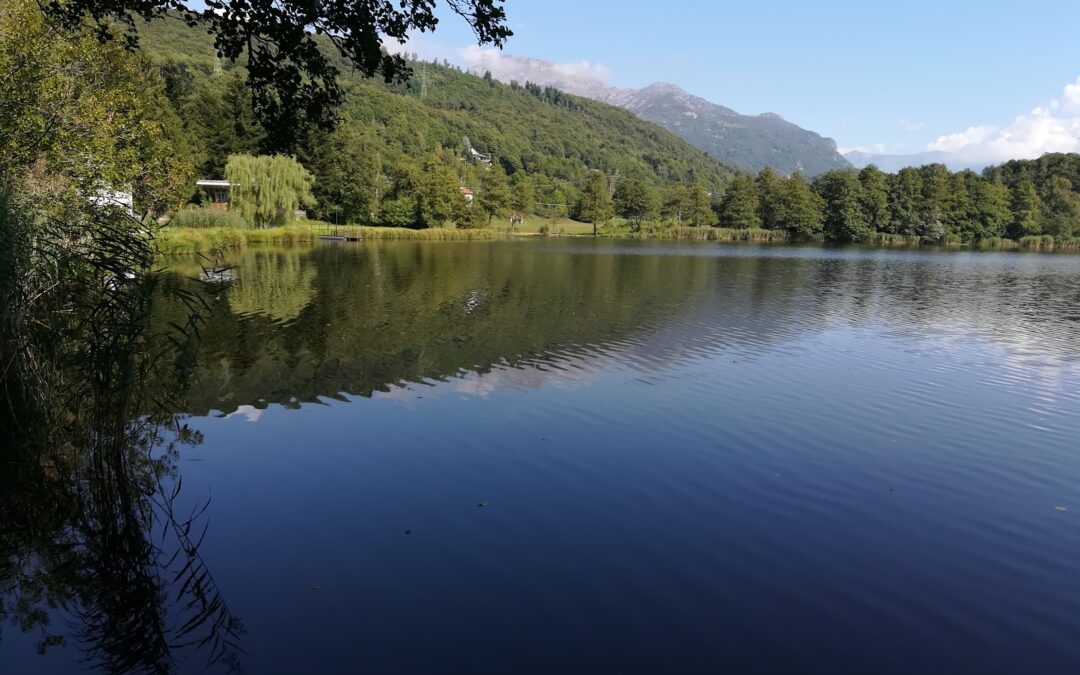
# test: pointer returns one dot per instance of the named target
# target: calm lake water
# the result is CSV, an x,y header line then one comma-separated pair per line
x,y
623,457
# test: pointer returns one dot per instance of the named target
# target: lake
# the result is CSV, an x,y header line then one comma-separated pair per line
x,y
542,456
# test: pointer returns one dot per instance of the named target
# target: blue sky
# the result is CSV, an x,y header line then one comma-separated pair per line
x,y
895,75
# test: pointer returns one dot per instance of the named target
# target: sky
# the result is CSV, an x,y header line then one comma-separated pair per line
x,y
988,80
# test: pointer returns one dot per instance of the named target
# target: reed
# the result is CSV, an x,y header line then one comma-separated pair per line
x,y
209,240
1041,243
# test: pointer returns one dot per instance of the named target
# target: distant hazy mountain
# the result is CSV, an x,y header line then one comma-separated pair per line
x,y
893,163
749,142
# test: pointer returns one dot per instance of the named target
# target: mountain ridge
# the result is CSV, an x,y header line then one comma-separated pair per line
x,y
748,142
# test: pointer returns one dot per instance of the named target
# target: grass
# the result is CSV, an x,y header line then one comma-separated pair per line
x,y
213,240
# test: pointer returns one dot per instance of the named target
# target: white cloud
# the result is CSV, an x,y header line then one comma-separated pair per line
x,y
1054,127
505,67
910,125
872,149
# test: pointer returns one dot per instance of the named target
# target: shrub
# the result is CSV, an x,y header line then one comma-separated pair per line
x,y
195,217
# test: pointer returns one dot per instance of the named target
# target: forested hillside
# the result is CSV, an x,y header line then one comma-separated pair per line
x,y
389,132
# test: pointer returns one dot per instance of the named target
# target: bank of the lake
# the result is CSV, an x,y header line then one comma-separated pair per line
x,y
208,240
213,240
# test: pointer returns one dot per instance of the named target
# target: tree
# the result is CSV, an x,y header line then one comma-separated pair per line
x,y
345,166
523,196
933,209
293,80
843,217
269,189
637,201
799,209
1062,207
768,188
494,198
875,199
740,209
905,199
596,206
1026,210
701,213
991,208
401,206
438,193
677,203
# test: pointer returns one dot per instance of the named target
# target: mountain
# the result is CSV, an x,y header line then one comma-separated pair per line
x,y
893,163
748,142
551,135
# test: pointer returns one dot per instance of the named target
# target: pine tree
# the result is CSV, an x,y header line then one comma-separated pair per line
x,y
345,166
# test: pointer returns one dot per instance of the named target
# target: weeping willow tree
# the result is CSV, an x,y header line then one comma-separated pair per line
x,y
268,189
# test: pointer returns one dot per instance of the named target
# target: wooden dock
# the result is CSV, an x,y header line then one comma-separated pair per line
x,y
340,233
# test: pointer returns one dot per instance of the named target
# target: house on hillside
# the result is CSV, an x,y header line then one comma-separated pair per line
x,y
217,191
467,194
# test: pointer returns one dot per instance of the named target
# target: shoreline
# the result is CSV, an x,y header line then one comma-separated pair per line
x,y
211,241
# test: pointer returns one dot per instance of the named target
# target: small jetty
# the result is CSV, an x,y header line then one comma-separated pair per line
x,y
340,233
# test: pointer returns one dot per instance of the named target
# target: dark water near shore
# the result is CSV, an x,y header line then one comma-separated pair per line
x,y
626,457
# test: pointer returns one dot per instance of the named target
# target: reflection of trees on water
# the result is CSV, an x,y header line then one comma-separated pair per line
x,y
93,556
275,284
379,315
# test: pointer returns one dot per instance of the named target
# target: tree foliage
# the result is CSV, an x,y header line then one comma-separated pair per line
x,y
287,45
268,189
596,205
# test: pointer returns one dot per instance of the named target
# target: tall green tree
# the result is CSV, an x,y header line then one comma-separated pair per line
x,y
1026,210
991,208
1062,208
596,205
345,166
905,202
701,212
637,201
875,197
268,190
523,195
741,206
495,196
843,216
800,210
677,203
438,193
769,198
933,211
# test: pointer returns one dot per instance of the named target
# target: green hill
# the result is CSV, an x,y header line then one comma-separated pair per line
x,y
553,137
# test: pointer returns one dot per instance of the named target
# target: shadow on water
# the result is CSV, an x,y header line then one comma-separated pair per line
x,y
96,564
